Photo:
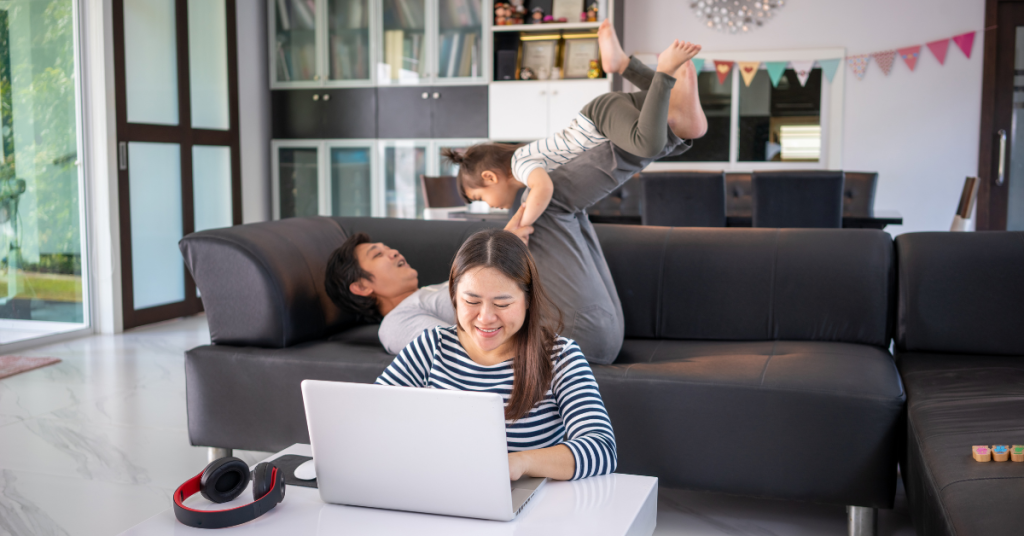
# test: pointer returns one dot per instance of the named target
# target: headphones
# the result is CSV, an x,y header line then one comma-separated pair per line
x,y
222,481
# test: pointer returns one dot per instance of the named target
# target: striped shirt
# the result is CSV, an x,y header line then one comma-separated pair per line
x,y
571,412
549,153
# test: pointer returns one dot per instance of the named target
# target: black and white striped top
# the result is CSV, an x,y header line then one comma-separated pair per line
x,y
571,412
550,153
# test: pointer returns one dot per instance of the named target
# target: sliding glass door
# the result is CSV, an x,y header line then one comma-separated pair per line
x,y
177,124
42,244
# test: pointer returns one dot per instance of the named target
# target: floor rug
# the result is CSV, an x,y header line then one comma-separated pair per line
x,y
14,364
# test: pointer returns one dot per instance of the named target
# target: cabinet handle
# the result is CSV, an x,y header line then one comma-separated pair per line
x,y
554,92
425,95
542,92
437,95
316,97
1002,158
327,97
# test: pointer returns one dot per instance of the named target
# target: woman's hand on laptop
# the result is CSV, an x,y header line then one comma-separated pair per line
x,y
555,462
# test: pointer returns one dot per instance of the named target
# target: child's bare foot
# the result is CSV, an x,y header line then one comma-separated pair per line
x,y
678,53
613,58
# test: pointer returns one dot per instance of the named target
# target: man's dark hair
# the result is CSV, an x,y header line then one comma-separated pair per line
x,y
343,269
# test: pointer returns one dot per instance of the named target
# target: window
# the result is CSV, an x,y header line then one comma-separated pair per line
x,y
761,126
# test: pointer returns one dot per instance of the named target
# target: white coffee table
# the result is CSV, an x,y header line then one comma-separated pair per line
x,y
603,505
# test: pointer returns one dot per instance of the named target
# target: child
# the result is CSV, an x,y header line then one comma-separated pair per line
x,y
637,123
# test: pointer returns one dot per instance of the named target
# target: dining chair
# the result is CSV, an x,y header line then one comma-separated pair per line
x,y
798,199
683,199
859,193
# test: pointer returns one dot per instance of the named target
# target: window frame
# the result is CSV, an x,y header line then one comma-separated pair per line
x,y
832,98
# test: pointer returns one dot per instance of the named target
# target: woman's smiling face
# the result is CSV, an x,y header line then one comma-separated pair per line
x,y
491,308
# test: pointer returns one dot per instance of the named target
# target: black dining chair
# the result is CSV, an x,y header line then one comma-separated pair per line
x,y
739,196
683,199
441,192
859,193
798,199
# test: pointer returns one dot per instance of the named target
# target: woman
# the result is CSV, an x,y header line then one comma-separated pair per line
x,y
505,341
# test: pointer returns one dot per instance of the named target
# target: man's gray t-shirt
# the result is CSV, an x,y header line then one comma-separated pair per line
x,y
426,308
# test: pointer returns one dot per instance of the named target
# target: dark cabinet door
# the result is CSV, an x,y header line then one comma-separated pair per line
x,y
403,112
459,111
295,114
349,113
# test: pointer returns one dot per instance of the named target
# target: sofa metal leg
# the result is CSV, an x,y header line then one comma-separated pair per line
x,y
216,453
862,520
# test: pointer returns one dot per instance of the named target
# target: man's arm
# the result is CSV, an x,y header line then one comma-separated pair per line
x,y
432,308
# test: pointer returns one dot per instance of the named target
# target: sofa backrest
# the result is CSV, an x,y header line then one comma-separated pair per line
x,y
753,284
263,284
961,293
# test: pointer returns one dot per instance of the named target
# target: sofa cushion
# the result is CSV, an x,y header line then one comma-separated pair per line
x,y
956,401
759,418
753,284
961,292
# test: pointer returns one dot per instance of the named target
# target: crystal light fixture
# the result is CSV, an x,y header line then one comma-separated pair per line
x,y
735,16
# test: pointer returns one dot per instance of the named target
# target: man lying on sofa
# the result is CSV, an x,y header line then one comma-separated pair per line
x,y
375,282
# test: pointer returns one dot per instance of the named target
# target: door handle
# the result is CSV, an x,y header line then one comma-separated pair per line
x,y
122,155
437,95
425,95
316,97
327,97
1001,178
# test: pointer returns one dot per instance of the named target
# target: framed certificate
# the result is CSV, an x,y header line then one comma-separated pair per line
x,y
567,9
577,56
539,56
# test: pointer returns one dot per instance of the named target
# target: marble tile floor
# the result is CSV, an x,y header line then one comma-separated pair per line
x,y
97,443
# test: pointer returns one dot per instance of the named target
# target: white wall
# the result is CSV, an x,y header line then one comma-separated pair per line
x,y
918,129
253,109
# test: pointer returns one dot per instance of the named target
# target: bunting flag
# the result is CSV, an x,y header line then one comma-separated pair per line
x,y
965,41
829,67
910,55
939,49
722,68
803,70
885,60
748,69
698,64
859,64
775,70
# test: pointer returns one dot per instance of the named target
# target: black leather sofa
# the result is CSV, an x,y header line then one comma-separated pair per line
x,y
960,351
755,360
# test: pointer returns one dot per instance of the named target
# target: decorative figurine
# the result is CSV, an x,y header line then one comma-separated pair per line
x,y
592,12
549,18
536,16
595,69
502,14
526,73
583,16
518,11
563,19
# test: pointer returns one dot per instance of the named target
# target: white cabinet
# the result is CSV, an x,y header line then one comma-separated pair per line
x,y
530,110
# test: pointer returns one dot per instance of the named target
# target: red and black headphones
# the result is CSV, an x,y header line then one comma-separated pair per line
x,y
222,481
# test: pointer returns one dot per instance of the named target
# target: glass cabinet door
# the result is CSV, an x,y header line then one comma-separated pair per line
x,y
297,184
348,40
459,40
403,163
351,188
403,58
294,51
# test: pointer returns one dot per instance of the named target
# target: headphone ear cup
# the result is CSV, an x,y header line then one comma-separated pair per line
x,y
263,479
224,479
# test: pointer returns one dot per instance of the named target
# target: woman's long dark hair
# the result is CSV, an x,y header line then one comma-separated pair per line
x,y
494,157
535,340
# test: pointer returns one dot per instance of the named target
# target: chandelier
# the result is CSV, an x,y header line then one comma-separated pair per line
x,y
735,16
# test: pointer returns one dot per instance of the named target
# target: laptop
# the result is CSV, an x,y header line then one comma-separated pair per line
x,y
421,450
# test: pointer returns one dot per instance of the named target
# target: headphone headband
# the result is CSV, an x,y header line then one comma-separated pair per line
x,y
216,519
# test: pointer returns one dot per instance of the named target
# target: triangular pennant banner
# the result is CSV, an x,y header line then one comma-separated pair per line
x,y
910,55
829,67
859,64
939,49
722,68
698,64
775,70
803,70
885,60
965,41
748,69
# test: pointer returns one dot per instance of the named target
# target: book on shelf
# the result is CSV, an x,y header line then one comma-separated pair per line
x,y
282,15
453,59
284,69
393,51
356,15
302,14
467,55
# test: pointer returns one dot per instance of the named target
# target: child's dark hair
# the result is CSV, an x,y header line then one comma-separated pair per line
x,y
495,157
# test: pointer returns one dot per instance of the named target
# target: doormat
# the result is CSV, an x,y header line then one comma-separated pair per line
x,y
14,364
